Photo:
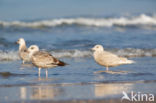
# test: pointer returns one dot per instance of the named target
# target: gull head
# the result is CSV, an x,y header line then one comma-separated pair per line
x,y
98,48
32,49
20,41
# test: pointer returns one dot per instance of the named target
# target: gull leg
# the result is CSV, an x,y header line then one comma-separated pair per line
x,y
39,71
107,70
46,73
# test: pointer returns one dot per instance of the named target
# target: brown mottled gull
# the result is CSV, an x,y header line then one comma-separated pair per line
x,y
23,51
108,59
42,59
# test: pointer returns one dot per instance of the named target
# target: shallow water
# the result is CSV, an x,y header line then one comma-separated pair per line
x,y
79,70
68,33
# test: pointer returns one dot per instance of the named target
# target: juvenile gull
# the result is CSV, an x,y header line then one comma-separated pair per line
x,y
42,59
108,59
23,51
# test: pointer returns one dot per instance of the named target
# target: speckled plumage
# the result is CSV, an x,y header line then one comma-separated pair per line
x,y
45,60
108,59
42,59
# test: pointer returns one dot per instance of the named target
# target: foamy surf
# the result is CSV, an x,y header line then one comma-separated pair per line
x,y
128,52
9,55
142,20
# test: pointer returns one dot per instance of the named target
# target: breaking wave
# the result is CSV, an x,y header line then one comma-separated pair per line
x,y
142,20
9,55
128,52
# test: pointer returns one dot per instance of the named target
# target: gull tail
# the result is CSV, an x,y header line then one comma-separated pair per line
x,y
126,61
61,63
130,61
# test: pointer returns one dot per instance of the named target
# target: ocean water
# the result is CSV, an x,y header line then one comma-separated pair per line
x,y
68,30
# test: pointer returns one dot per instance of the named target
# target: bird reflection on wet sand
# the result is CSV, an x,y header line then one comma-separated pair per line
x,y
40,92
106,90
45,92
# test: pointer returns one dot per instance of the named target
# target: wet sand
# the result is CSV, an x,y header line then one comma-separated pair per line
x,y
73,93
84,101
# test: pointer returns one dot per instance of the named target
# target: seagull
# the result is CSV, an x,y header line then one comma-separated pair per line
x,y
43,59
23,51
108,59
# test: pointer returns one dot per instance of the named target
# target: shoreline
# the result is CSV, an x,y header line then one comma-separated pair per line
x,y
77,93
85,101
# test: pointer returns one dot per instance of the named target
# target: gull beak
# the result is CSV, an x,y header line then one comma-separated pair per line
x,y
26,51
17,42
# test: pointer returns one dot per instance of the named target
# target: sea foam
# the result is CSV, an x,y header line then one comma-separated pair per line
x,y
127,52
142,20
